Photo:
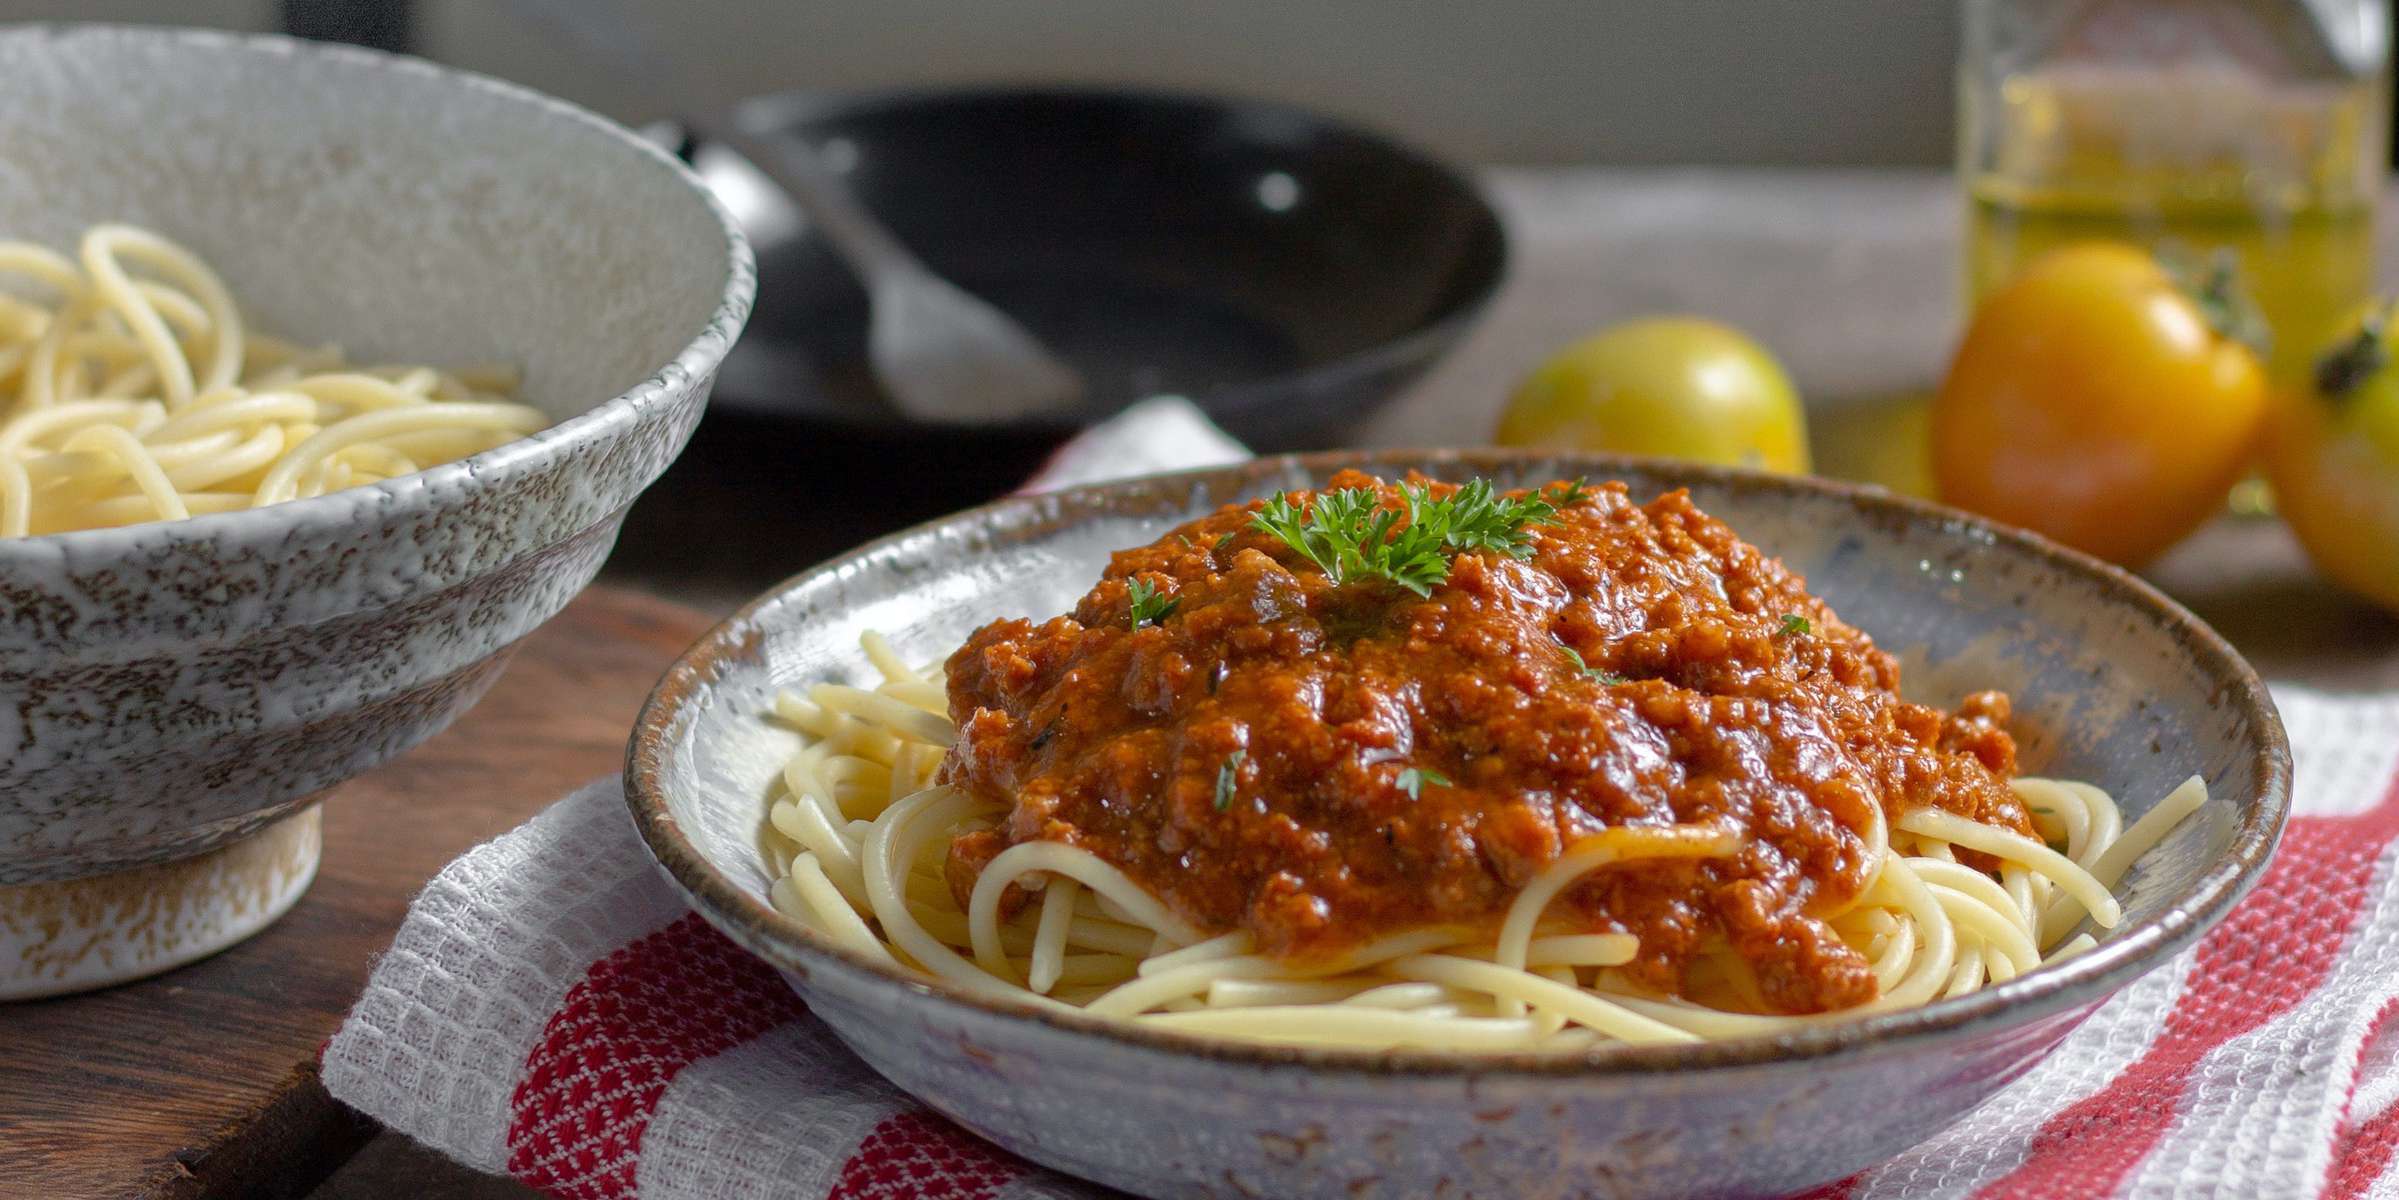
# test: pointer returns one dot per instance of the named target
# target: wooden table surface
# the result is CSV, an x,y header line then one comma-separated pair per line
x,y
202,1082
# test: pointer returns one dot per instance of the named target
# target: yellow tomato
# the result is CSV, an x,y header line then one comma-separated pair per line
x,y
2333,454
2093,401
1679,387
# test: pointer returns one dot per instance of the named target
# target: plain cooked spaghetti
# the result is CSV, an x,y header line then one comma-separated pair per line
x,y
131,390
868,829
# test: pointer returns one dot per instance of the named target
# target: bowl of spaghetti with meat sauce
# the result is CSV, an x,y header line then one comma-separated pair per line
x,y
1472,784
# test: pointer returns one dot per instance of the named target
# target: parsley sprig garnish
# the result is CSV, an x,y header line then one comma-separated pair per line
x,y
1793,625
1413,779
1350,536
1149,605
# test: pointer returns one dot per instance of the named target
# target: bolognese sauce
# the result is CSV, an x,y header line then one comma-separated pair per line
x,y
1324,763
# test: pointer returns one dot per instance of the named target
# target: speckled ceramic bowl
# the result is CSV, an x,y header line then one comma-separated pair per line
x,y
2115,684
167,688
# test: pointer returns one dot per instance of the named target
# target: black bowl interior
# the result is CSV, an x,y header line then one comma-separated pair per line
x,y
1285,272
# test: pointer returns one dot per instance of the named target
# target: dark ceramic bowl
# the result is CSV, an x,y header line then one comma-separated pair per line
x,y
1286,272
2114,683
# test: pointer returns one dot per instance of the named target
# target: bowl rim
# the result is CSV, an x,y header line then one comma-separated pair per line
x,y
1475,285
2084,980
337,510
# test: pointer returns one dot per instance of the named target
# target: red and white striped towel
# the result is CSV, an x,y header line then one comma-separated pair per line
x,y
550,1011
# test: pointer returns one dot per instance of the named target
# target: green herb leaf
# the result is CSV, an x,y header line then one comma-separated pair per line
x,y
1413,779
1224,541
1228,777
1793,625
1350,536
1569,494
1475,518
1610,678
1148,604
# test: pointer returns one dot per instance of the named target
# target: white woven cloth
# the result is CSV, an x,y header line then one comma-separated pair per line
x,y
550,1011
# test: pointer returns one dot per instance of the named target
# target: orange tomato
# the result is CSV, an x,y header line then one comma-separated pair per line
x,y
2092,400
2333,454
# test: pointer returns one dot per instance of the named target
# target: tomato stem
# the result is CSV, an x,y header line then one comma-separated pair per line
x,y
2356,358
2217,292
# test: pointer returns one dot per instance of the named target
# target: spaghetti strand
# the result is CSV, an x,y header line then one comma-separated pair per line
x,y
137,334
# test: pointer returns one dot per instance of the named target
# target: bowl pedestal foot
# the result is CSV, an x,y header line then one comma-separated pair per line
x,y
74,935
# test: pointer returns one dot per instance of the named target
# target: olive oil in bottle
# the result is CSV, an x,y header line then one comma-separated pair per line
x,y
2197,159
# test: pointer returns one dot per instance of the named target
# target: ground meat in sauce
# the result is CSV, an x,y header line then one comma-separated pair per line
x,y
1704,701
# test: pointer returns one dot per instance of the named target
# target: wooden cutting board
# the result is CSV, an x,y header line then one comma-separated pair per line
x,y
202,1082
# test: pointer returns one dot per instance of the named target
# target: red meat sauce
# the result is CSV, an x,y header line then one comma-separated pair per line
x,y
1700,697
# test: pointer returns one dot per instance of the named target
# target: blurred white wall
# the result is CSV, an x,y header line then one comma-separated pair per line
x,y
1610,81
227,14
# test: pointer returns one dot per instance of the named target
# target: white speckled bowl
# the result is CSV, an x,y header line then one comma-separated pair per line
x,y
2114,683
168,688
